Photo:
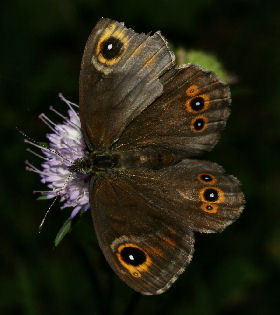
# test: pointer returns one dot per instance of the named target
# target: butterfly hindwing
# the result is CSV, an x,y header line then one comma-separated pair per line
x,y
198,192
143,244
119,78
188,117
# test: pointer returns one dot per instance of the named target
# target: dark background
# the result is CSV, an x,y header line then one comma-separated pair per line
x,y
234,272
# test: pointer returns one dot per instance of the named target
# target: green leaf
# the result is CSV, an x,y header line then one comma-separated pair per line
x,y
43,197
206,60
65,229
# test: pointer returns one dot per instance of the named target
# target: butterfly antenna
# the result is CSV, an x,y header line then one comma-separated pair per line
x,y
53,202
39,145
46,214
25,135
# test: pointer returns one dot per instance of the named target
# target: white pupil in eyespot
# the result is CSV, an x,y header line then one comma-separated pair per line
x,y
131,257
212,195
110,46
197,103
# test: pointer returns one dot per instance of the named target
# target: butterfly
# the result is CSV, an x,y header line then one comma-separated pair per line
x,y
145,121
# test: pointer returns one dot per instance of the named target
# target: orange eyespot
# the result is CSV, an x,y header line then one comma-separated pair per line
x,y
212,195
209,208
134,259
207,179
198,103
199,124
111,45
192,90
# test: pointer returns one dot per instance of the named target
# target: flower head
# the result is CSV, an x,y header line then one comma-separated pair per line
x,y
66,144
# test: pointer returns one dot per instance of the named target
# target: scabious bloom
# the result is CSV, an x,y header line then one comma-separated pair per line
x,y
66,144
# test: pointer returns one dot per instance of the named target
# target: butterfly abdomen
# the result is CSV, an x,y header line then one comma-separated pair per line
x,y
96,162
146,159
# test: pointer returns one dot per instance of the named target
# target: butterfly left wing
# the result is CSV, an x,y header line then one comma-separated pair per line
x,y
119,78
145,227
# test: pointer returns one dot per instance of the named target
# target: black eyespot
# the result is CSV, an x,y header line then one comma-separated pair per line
x,y
199,124
197,103
133,256
206,177
111,48
209,207
211,195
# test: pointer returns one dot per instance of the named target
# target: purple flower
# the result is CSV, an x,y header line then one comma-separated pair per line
x,y
66,144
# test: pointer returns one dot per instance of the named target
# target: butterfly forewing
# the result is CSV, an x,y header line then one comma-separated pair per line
x,y
116,86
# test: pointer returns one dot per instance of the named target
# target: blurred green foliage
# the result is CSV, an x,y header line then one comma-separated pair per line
x,y
203,59
236,272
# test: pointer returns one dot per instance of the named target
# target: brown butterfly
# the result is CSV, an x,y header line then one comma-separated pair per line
x,y
143,120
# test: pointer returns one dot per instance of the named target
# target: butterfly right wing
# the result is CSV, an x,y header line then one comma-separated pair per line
x,y
187,118
155,212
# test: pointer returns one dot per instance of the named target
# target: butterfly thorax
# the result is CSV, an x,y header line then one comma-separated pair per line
x,y
96,162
